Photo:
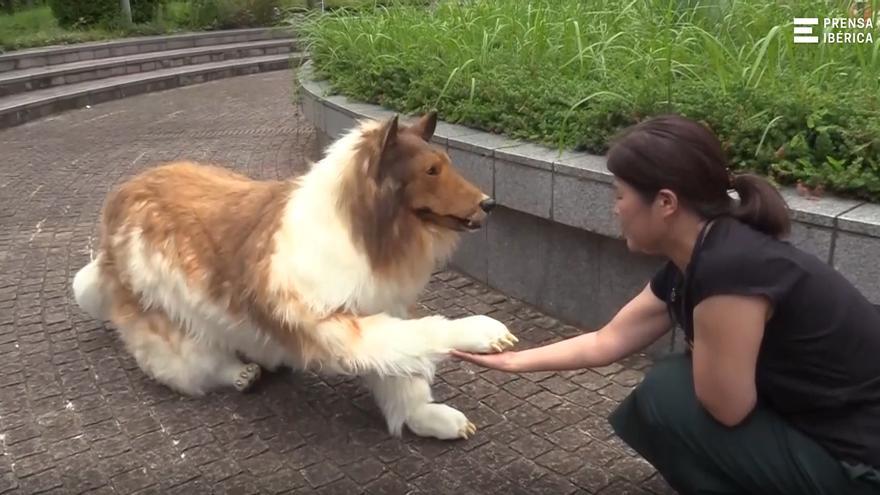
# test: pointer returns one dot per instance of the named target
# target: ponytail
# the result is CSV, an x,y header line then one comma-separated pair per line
x,y
761,205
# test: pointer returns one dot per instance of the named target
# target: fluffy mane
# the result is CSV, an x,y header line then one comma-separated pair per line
x,y
351,216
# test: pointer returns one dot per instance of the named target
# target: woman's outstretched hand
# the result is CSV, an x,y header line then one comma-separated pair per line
x,y
503,361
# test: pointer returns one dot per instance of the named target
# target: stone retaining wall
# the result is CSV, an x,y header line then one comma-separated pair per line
x,y
78,52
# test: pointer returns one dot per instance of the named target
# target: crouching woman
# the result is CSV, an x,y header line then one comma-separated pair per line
x,y
778,391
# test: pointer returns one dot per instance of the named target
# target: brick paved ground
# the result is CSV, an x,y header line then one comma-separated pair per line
x,y
77,415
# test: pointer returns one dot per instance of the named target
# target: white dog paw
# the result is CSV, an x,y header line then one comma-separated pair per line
x,y
482,334
440,421
247,377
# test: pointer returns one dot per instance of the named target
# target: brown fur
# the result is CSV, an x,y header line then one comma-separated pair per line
x,y
185,212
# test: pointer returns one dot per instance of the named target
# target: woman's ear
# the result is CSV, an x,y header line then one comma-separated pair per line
x,y
667,200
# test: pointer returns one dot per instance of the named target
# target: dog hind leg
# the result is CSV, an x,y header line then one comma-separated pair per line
x,y
166,353
87,290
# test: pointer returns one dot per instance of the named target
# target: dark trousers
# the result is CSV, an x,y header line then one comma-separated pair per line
x,y
663,421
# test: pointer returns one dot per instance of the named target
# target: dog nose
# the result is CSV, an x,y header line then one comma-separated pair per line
x,y
487,204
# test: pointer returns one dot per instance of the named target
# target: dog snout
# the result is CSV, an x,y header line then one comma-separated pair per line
x,y
487,205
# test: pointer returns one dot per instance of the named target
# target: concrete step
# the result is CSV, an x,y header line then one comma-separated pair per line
x,y
65,54
20,108
20,81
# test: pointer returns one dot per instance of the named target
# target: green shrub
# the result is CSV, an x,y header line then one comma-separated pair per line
x,y
37,27
572,74
143,11
86,13
28,21
81,13
230,14
177,13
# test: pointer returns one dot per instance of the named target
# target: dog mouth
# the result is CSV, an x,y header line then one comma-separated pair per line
x,y
452,222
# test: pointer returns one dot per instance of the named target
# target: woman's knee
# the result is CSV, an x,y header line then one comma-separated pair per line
x,y
656,401
666,395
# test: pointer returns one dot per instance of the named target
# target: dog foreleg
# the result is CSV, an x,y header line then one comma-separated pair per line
x,y
387,346
397,358
407,400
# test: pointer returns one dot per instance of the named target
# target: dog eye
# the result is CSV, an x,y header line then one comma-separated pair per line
x,y
433,171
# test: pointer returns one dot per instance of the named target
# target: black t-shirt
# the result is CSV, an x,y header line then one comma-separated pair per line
x,y
819,361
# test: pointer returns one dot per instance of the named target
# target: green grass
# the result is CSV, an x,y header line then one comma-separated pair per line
x,y
572,73
38,27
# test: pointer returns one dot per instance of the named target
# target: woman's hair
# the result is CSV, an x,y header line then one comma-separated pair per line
x,y
676,153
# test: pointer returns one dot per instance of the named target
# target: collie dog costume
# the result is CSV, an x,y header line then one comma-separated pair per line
x,y
200,267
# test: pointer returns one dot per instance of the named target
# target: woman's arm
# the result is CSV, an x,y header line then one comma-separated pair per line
x,y
639,323
728,330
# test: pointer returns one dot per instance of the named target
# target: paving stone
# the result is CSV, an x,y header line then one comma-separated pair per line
x,y
570,438
410,467
558,385
608,370
657,485
502,401
569,413
365,471
280,481
531,446
549,426
615,392
484,417
522,388
42,482
620,487
545,400
481,388
321,474
591,478
596,426
387,483
240,484
552,484
560,461
633,469
134,480
526,415
592,381
522,472
584,398
343,486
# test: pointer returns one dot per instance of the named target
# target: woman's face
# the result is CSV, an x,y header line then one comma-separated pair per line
x,y
642,223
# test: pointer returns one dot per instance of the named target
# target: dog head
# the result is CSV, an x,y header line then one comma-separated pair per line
x,y
421,177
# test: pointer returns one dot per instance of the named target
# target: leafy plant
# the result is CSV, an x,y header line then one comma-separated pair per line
x,y
572,74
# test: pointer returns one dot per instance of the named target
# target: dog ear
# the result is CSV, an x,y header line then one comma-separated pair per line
x,y
387,138
425,126
389,133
